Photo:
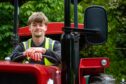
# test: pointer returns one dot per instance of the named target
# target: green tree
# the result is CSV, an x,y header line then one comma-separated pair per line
x,y
6,27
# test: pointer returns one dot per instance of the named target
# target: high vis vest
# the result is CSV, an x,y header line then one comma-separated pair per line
x,y
49,44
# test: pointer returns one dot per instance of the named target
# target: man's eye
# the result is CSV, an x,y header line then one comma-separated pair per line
x,y
34,25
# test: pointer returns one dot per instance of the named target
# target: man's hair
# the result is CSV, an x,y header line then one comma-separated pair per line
x,y
38,17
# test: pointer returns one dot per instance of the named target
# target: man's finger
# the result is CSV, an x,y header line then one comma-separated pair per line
x,y
40,56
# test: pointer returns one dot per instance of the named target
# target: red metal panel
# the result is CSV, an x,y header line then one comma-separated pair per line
x,y
43,73
93,62
53,28
91,66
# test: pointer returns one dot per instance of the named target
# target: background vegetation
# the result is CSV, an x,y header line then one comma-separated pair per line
x,y
114,48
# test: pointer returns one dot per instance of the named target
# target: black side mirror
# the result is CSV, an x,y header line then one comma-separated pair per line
x,y
96,24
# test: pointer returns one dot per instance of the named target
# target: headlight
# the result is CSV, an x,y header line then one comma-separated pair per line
x,y
103,62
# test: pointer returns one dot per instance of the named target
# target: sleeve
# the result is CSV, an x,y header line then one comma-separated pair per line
x,y
56,52
19,49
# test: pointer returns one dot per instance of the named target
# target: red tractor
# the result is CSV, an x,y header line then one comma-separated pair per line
x,y
73,70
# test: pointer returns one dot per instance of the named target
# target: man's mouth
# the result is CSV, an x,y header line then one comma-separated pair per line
x,y
38,31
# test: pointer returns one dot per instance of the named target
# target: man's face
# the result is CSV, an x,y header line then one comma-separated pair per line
x,y
38,29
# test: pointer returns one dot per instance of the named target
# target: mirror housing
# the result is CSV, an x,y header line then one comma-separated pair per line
x,y
96,25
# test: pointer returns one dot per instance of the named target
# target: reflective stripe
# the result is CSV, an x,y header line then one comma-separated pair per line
x,y
27,44
47,62
24,43
49,44
53,44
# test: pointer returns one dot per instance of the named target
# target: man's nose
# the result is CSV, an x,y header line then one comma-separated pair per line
x,y
38,26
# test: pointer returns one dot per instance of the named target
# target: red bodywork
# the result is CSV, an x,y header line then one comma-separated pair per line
x,y
88,66
53,28
41,72
91,66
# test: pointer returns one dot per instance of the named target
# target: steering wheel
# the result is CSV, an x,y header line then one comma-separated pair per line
x,y
20,58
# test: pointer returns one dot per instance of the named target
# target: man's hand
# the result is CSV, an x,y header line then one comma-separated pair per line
x,y
36,56
35,53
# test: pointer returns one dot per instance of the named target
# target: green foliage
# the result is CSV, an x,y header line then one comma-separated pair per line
x,y
118,25
53,11
5,28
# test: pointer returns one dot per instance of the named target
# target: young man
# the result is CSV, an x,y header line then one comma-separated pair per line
x,y
39,45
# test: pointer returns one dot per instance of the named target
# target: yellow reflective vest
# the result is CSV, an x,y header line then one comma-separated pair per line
x,y
49,44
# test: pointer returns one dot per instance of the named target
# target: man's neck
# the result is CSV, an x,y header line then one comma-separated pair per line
x,y
38,41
